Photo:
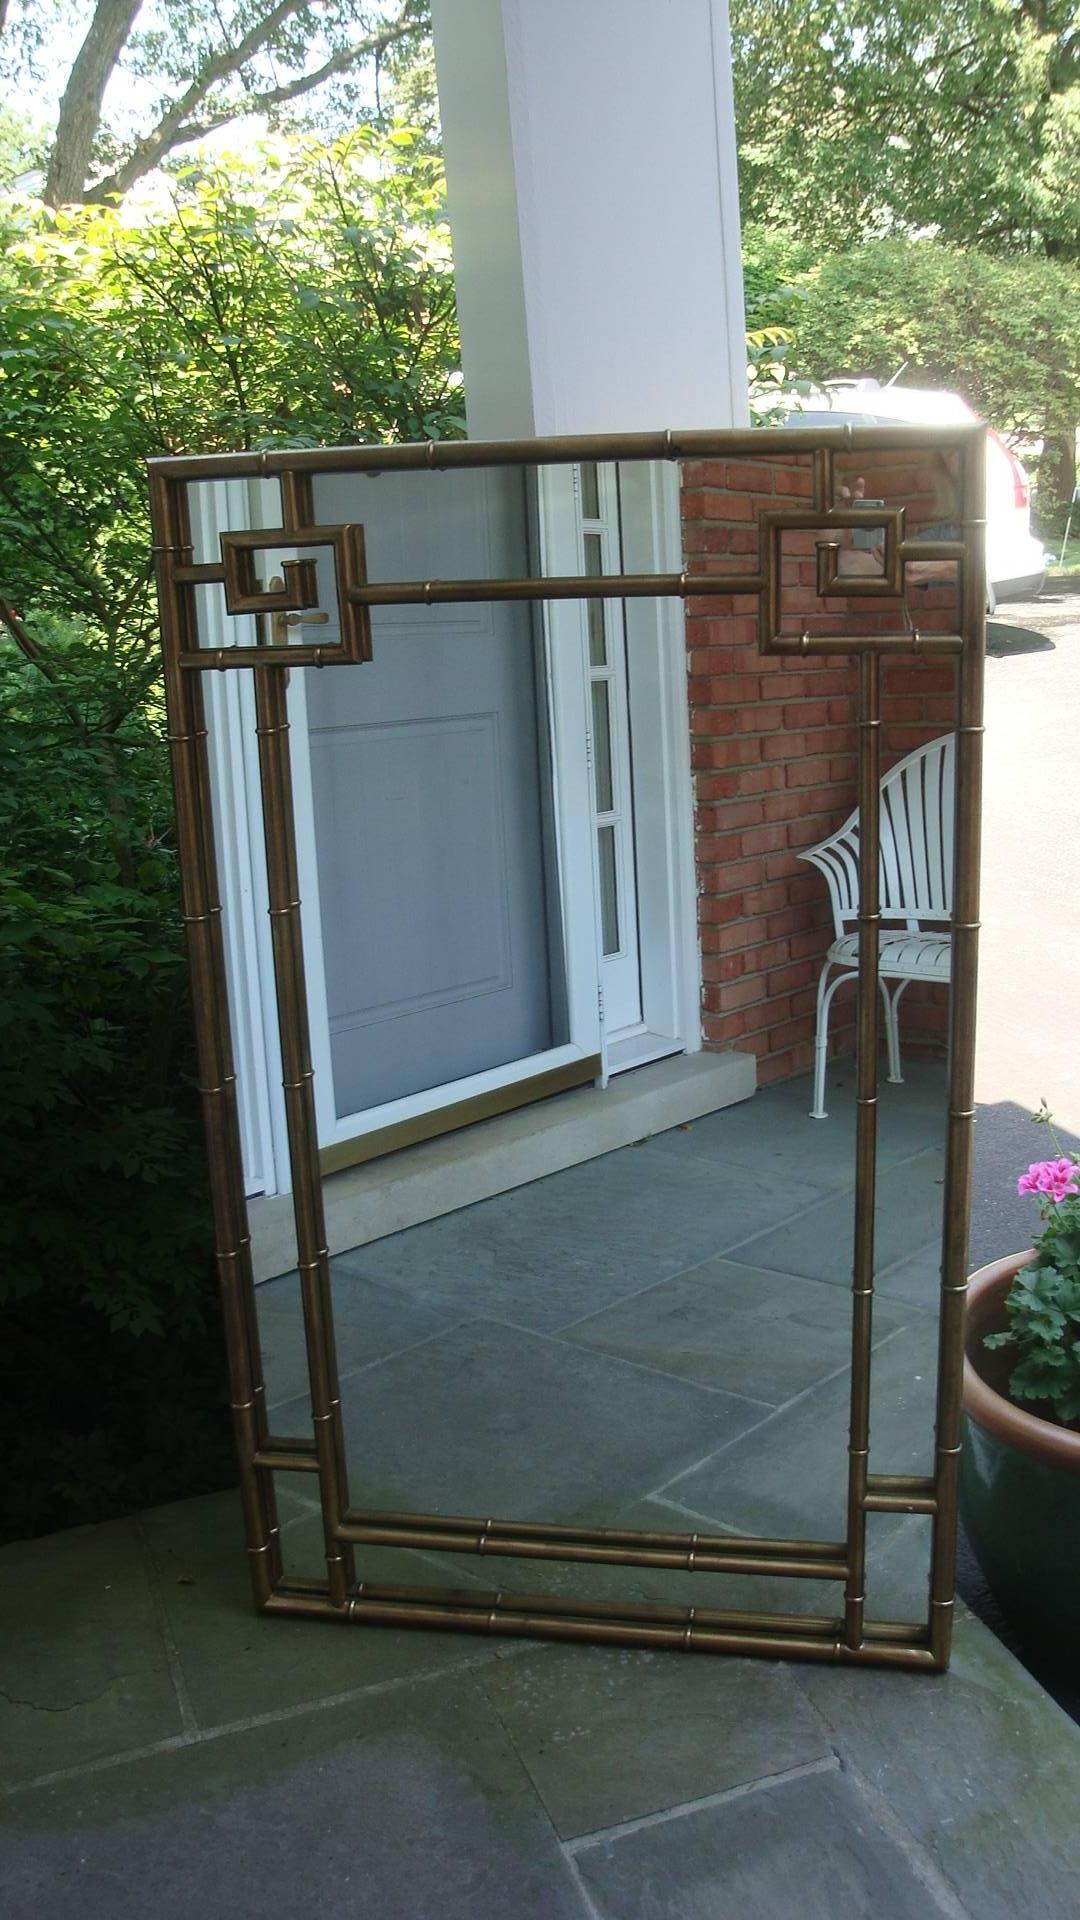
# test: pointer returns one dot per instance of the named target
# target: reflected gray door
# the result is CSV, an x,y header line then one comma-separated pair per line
x,y
426,775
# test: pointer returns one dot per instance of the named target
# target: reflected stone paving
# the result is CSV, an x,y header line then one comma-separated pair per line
x,y
657,1338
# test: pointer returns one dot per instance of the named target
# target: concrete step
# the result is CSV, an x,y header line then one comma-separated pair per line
x,y
420,1183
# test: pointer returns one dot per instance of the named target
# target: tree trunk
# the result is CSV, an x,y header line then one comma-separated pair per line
x,y
80,108
1057,476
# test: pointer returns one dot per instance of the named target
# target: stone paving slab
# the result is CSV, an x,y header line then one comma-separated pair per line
x,y
609,1735
83,1665
787,1477
369,1322
819,1243
400,1804
523,1426
915,1279
980,1765
809,1849
550,1253
448,1796
773,1136
232,1662
768,1336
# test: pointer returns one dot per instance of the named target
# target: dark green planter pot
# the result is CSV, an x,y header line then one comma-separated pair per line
x,y
1019,1484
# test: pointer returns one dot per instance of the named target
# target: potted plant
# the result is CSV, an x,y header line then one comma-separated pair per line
x,y
1020,1475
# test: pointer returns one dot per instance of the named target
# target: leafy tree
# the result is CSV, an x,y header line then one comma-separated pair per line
x,y
22,145
1006,332
953,119
959,116
303,294
198,64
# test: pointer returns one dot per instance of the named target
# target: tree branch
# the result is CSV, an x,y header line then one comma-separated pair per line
x,y
49,544
178,128
80,109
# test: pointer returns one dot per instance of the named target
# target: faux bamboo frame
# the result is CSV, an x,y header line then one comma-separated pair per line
x,y
849,1636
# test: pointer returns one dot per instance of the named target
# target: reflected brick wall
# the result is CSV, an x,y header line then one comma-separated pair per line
x,y
773,752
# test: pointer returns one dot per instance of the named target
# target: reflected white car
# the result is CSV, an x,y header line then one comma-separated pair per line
x,y
1016,560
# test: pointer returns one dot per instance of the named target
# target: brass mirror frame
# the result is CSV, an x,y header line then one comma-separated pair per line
x,y
850,1636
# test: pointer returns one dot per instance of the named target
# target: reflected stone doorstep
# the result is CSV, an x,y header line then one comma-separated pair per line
x,y
420,1183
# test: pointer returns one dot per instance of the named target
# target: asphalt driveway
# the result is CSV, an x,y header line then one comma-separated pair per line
x,y
1029,968
1030,951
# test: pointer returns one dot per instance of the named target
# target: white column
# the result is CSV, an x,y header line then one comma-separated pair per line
x,y
590,157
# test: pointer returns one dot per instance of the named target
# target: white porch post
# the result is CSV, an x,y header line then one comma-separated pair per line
x,y
590,157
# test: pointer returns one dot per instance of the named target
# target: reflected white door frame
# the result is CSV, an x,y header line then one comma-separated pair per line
x,y
633,680
653,817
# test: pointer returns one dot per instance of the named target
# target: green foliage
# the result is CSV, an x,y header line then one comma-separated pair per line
x,y
111,1382
298,295
771,384
1007,332
1042,1305
865,124
23,145
1004,333
954,117
774,264
137,83
301,294
1043,1308
771,263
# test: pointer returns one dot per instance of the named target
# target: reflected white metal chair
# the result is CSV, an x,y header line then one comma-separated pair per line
x,y
916,895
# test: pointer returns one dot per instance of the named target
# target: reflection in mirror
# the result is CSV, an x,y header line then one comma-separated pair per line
x,y
657,1339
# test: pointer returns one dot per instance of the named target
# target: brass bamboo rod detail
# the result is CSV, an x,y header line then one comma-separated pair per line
x,y
760,1546
313,1262
536,1617
281,1459
202,920
824,1626
899,1493
444,456
868,726
876,643
585,586
962,1016
696,1559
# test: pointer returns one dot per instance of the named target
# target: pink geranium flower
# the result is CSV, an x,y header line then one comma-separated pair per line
x,y
1054,1180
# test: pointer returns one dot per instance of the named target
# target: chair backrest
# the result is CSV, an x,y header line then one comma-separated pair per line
x,y
915,874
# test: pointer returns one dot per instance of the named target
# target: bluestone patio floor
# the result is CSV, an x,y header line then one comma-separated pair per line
x,y
657,1338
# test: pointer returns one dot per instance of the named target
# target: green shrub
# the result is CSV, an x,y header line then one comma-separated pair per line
x,y
301,293
111,1380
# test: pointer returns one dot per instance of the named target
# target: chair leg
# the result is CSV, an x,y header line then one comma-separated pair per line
x,y
826,989
892,1036
892,1032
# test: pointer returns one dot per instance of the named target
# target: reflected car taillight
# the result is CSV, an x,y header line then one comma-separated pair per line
x,y
1020,481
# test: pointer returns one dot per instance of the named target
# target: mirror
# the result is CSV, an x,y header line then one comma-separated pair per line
x,y
617,1363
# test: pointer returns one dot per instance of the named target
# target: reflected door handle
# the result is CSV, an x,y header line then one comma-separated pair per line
x,y
281,622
